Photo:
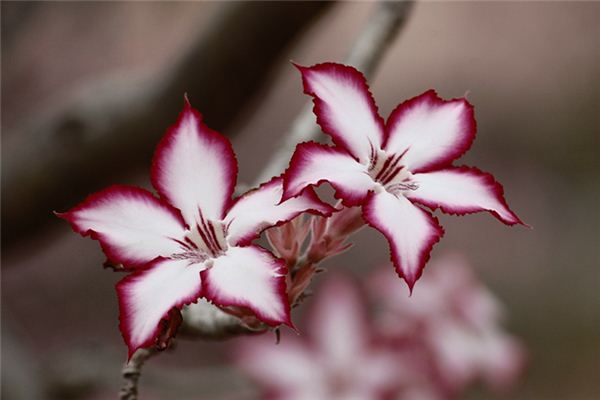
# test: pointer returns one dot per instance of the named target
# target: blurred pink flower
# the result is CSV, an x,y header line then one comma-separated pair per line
x,y
340,358
455,321
194,240
431,346
385,167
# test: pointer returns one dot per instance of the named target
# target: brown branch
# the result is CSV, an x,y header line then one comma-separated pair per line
x,y
131,373
89,138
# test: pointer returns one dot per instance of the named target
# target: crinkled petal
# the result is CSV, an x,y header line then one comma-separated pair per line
x,y
195,168
249,277
410,231
432,131
261,208
145,298
344,107
313,163
462,190
132,225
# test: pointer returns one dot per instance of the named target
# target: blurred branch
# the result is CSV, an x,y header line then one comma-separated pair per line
x,y
366,53
112,126
131,373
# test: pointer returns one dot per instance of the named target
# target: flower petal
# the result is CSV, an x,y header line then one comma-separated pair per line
x,y
344,107
195,168
249,277
313,163
410,231
132,225
462,190
261,208
145,298
432,131
289,366
338,323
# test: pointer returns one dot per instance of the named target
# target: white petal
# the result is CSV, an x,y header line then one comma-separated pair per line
x,y
462,190
344,107
313,163
410,231
194,168
249,277
145,297
432,131
260,209
133,226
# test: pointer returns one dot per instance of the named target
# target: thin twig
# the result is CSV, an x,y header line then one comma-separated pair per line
x,y
131,373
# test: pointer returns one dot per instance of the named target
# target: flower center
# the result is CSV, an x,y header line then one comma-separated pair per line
x,y
388,170
205,240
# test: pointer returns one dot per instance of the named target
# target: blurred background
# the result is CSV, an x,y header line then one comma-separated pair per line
x,y
89,88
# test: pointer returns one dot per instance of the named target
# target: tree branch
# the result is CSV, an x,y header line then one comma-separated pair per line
x,y
131,373
366,54
85,140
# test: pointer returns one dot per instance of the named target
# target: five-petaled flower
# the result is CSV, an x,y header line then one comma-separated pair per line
x,y
194,240
385,167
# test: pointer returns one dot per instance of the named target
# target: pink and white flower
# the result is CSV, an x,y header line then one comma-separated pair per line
x,y
434,345
387,167
193,240
339,358
455,321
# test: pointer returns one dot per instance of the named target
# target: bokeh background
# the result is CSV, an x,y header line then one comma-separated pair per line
x,y
88,88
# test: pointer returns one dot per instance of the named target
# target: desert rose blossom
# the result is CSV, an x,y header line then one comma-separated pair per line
x,y
387,167
455,321
192,241
338,357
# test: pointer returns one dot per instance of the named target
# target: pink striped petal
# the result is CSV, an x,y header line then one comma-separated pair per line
x,y
132,225
462,190
313,163
432,131
249,277
261,208
195,168
410,231
344,107
145,298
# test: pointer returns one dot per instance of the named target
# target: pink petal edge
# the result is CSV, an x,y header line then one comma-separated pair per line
x,y
111,251
319,109
167,142
459,148
348,197
369,215
212,293
318,208
125,316
489,180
